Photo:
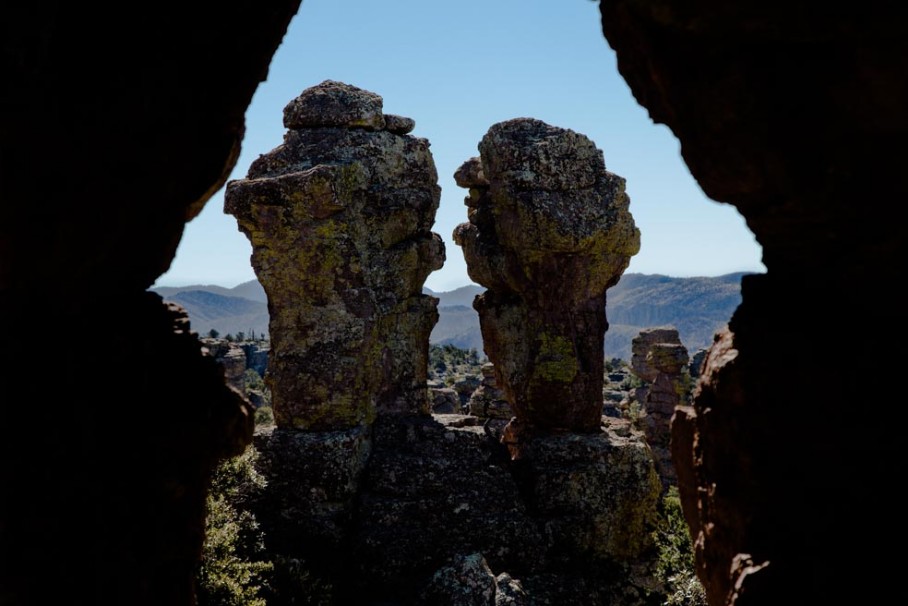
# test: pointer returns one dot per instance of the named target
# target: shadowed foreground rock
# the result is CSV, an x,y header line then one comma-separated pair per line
x,y
339,218
796,116
116,127
549,231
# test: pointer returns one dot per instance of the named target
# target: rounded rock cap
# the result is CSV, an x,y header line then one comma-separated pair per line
x,y
470,174
336,104
399,125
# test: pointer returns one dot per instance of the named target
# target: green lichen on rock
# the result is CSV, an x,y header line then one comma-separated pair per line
x,y
556,360
549,231
339,217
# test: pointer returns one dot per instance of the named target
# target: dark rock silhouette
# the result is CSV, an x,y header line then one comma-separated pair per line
x,y
793,116
112,137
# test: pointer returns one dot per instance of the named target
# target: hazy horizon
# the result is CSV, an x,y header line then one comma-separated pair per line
x,y
244,282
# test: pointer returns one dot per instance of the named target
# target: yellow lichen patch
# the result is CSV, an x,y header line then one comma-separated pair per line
x,y
556,360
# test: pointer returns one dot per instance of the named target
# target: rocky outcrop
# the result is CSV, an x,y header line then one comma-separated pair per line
x,y
577,510
445,400
792,115
339,218
257,355
232,358
661,360
360,477
465,387
113,138
549,231
488,401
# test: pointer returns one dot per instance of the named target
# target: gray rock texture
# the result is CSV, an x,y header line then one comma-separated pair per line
x,y
549,231
660,359
339,217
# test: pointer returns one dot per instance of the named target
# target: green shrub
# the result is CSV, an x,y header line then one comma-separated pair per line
x,y
294,583
675,566
232,571
264,415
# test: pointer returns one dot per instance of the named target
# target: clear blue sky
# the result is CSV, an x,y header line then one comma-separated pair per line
x,y
457,68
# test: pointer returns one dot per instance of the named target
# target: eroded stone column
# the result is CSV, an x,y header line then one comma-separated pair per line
x,y
549,231
661,360
339,217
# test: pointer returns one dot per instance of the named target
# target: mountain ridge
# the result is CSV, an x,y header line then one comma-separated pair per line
x,y
697,306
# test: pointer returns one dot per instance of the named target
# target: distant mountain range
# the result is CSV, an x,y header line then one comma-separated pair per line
x,y
697,307
243,308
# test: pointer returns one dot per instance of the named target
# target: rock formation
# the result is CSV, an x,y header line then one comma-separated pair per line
x,y
232,359
488,401
794,116
113,138
360,476
339,218
549,231
445,400
660,359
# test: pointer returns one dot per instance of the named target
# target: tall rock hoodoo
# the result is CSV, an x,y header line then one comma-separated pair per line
x,y
661,360
339,217
549,231
360,476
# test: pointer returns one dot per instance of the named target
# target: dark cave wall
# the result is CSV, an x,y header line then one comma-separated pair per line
x,y
116,125
794,114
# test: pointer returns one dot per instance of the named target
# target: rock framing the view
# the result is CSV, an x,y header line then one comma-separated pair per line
x,y
549,231
339,217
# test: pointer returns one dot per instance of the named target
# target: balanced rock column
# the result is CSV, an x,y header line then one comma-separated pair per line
x,y
549,232
661,360
339,218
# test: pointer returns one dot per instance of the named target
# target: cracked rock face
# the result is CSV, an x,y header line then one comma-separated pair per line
x,y
549,231
339,217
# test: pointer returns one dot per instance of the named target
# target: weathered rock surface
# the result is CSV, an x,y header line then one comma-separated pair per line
x,y
313,479
465,388
112,139
339,218
488,401
660,359
792,116
597,494
257,356
549,231
436,488
232,358
466,581
445,400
